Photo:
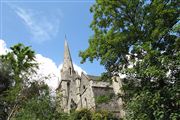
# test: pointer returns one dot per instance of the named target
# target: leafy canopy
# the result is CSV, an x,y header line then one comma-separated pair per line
x,y
141,39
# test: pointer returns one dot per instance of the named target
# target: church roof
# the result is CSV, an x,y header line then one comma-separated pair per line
x,y
94,77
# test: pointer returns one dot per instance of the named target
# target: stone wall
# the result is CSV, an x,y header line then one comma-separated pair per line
x,y
87,95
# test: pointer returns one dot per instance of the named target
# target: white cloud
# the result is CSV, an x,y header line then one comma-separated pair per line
x,y
78,69
3,47
41,26
47,72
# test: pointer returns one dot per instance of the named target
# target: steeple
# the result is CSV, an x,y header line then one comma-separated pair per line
x,y
67,65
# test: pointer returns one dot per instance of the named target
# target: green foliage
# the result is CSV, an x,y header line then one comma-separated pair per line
x,y
39,106
22,98
5,77
20,62
21,59
154,104
25,99
103,115
5,84
85,114
104,98
35,106
145,34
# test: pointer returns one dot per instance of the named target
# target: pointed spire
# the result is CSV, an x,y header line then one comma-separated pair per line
x,y
67,65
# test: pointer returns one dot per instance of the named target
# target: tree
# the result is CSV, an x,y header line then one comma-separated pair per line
x,y
37,104
5,84
22,96
143,34
21,61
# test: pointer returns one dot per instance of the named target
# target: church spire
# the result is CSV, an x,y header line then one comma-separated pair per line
x,y
67,65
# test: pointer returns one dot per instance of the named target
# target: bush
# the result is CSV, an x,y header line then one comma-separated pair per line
x,y
103,115
85,114
104,98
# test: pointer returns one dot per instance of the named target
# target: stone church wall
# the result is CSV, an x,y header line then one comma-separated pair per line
x,y
87,94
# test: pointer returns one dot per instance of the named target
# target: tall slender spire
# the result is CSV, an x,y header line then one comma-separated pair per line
x,y
67,65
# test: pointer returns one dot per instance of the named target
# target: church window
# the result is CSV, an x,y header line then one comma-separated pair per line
x,y
68,88
86,102
70,71
73,105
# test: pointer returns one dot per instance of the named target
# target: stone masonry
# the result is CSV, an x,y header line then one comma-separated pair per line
x,y
86,91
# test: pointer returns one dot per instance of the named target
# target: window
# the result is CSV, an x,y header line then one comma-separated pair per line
x,y
86,102
68,89
70,71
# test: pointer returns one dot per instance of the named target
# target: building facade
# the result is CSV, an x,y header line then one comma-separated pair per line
x,y
87,91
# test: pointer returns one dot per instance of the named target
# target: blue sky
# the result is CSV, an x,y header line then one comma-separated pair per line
x,y
44,24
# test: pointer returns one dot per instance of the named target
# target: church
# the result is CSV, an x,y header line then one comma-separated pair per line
x,y
87,91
